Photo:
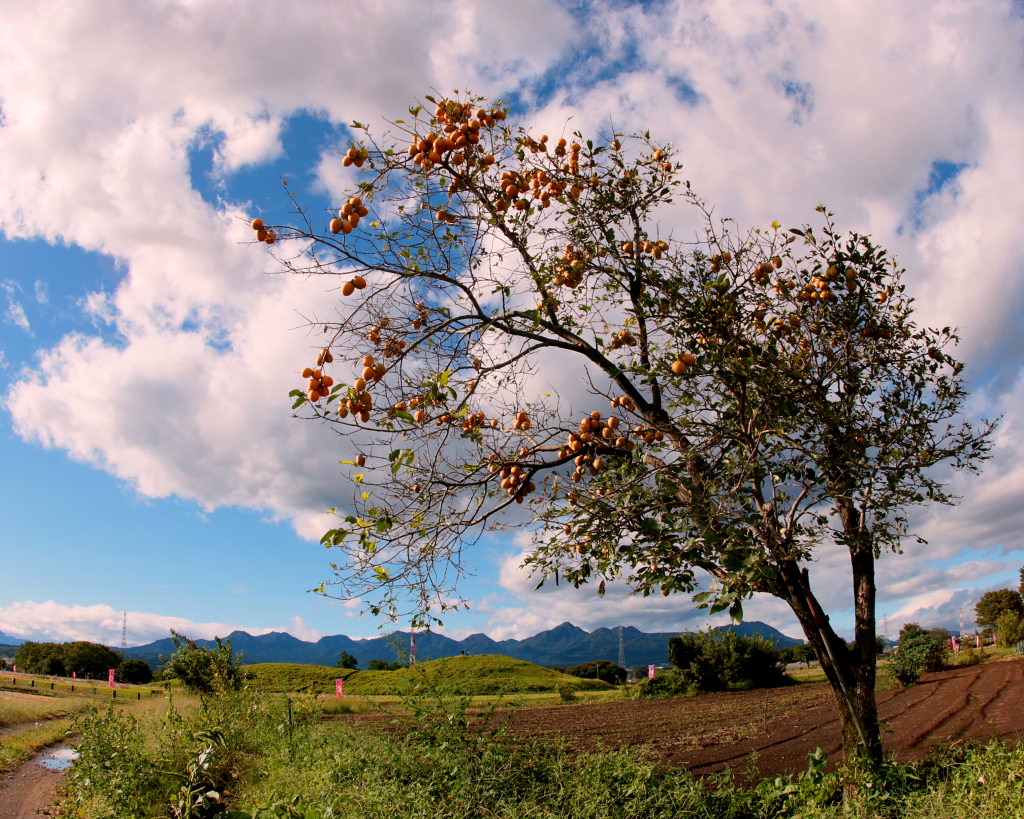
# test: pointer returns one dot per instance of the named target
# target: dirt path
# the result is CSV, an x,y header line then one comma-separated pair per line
x,y
28,790
778,729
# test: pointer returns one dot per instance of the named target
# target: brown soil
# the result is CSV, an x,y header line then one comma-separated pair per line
x,y
774,731
27,792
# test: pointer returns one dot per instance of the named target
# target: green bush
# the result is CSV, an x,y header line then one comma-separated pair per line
x,y
666,684
566,692
606,670
917,653
205,670
721,660
1010,628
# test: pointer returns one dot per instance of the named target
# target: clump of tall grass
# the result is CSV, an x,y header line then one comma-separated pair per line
x,y
17,711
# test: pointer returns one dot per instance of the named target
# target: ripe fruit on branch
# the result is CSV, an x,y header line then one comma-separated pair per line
x,y
355,156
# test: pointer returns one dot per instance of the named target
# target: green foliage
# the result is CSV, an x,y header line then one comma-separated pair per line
x,y
467,676
605,670
134,672
293,677
719,660
918,652
671,683
377,664
1010,628
245,757
566,691
802,653
347,661
87,660
112,768
205,670
993,604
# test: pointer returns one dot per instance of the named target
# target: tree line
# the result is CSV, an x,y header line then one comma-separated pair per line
x,y
81,658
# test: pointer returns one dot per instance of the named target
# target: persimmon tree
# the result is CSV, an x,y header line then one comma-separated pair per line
x,y
727,406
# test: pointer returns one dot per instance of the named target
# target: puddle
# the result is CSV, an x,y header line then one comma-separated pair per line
x,y
58,758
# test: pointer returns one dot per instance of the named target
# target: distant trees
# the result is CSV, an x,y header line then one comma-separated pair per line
x,y
717,661
136,672
377,664
604,670
1010,628
346,660
993,604
801,653
82,658
205,670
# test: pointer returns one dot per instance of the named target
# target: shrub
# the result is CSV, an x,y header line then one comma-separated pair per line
x,y
566,692
917,653
666,684
1010,628
134,671
606,670
205,670
717,660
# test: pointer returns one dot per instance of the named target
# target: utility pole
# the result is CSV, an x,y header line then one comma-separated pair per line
x,y
622,646
124,632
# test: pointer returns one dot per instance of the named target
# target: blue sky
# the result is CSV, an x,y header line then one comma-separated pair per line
x,y
150,464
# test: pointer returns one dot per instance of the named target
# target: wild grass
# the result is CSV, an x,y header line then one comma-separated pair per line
x,y
16,711
293,677
478,675
262,759
16,748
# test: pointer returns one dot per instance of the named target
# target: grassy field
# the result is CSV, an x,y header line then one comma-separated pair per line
x,y
479,675
276,762
289,678
34,709
48,686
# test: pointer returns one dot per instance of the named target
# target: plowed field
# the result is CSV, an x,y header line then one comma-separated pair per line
x,y
775,730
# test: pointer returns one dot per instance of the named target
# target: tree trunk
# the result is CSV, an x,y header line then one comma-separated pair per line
x,y
851,673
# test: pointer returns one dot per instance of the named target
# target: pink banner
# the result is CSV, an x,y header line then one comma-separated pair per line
x,y
110,677
339,688
650,672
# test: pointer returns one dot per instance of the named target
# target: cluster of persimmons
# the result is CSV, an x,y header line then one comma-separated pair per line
x,y
459,145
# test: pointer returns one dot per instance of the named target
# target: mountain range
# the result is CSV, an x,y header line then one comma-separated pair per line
x,y
562,646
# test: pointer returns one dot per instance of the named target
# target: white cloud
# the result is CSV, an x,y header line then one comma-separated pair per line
x,y
16,315
788,104
56,622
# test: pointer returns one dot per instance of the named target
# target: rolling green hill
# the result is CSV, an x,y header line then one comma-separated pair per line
x,y
481,674
281,678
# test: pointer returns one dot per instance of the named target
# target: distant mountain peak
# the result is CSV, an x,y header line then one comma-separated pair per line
x,y
563,645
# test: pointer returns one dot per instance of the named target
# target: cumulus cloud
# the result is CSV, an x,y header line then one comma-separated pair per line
x,y
100,623
180,389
